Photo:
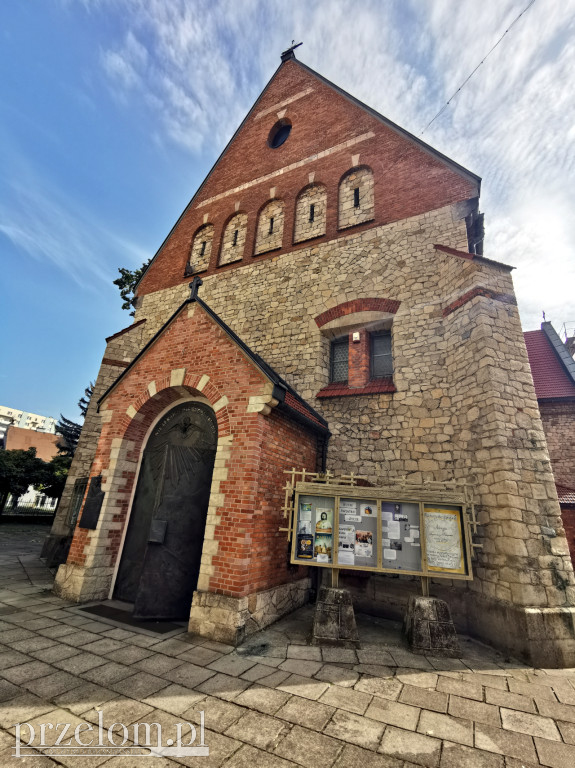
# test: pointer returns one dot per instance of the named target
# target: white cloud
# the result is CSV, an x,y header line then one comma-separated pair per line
x,y
197,67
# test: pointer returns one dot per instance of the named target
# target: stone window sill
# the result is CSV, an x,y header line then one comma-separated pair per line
x,y
356,224
374,387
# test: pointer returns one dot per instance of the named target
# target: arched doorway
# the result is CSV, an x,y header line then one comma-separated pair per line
x,y
160,562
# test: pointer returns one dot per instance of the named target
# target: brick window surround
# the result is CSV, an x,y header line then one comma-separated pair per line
x,y
360,380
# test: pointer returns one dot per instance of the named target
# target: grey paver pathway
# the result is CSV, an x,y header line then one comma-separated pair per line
x,y
275,701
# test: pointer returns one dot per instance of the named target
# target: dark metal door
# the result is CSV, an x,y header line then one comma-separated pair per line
x,y
161,556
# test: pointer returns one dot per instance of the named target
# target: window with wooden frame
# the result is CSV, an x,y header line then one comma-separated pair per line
x,y
339,366
381,360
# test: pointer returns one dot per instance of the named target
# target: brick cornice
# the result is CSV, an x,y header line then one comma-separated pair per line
x,y
505,298
357,305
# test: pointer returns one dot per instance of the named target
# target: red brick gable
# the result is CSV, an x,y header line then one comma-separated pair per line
x,y
328,128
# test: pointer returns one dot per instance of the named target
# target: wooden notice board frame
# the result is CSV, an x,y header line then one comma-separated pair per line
x,y
453,503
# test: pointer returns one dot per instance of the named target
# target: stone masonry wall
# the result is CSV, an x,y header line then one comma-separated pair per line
x,y
120,351
202,248
559,425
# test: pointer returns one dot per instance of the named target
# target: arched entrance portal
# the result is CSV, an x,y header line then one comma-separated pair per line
x,y
160,562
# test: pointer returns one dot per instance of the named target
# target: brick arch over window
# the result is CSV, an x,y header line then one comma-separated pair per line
x,y
269,234
310,213
357,305
356,197
234,239
201,249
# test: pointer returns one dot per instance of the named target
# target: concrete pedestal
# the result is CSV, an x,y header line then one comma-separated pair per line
x,y
334,621
429,628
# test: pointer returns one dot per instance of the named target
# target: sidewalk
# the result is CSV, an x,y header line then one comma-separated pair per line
x,y
275,702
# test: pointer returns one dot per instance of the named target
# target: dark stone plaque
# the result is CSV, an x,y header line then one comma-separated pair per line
x,y
93,504
158,531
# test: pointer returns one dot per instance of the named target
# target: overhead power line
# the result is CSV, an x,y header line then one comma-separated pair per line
x,y
468,78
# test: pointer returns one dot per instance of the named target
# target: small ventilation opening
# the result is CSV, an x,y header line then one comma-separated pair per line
x,y
312,212
356,197
235,240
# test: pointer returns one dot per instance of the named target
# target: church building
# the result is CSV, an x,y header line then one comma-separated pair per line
x,y
322,303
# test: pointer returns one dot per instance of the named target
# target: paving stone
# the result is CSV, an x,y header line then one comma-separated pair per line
x,y
388,688
355,757
215,646
310,714
188,675
250,757
355,729
446,727
375,656
80,662
421,697
509,700
157,664
410,660
567,732
274,678
308,748
555,755
55,653
555,710
12,659
376,670
8,690
414,747
33,644
173,698
534,725
466,689
258,729
256,673
103,646
223,686
77,639
115,633
85,697
140,685
503,742
171,647
52,685
218,714
129,654
393,713
306,652
488,680
459,756
530,689
25,672
22,709
303,686
106,674
347,655
13,635
331,673
301,667
470,709
59,631
346,698
266,700
199,655
419,679
231,665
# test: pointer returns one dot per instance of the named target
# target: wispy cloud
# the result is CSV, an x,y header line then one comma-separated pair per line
x,y
197,68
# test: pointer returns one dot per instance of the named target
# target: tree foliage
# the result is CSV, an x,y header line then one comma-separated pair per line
x,y
54,476
127,282
70,433
84,401
18,470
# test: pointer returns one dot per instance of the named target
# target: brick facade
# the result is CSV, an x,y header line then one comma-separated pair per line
x,y
559,424
461,404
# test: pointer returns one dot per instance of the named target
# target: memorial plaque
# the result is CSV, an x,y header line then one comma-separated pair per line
x,y
93,504
158,531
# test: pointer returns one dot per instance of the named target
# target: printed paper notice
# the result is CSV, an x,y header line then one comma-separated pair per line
x,y
368,510
345,557
363,543
393,529
352,518
443,540
390,554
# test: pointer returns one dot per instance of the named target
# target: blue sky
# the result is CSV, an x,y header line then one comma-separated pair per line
x,y
113,111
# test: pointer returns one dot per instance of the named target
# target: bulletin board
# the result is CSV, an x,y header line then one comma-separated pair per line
x,y
381,530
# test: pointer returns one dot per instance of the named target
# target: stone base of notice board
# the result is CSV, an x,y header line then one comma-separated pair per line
x,y
230,619
429,628
334,621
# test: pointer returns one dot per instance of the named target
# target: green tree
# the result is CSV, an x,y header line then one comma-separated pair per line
x,y
18,470
70,433
54,475
84,401
127,283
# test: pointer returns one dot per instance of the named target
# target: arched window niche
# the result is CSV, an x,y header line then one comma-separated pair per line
x,y
270,227
310,213
201,249
356,198
234,239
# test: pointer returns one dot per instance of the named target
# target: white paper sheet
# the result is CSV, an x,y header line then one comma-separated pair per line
x,y
393,529
345,557
352,518
389,554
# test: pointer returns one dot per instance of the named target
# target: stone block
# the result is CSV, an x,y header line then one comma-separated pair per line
x,y
427,635
334,620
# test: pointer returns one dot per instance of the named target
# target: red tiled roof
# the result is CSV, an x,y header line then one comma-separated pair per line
x,y
566,495
549,376
375,387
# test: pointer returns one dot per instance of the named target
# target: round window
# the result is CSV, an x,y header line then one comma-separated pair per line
x,y
279,133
